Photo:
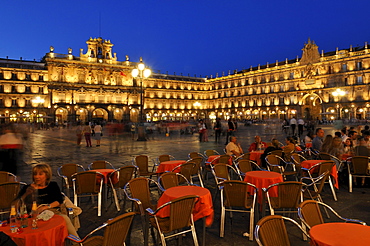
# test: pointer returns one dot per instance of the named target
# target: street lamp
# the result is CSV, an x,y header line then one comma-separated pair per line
x,y
38,101
338,93
142,73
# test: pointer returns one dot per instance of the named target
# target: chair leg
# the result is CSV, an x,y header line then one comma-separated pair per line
x,y
251,224
99,204
350,182
194,235
222,221
332,189
116,199
200,180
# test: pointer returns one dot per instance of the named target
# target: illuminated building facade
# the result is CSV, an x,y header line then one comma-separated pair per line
x,y
96,86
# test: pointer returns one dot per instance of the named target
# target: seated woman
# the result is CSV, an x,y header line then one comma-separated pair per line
x,y
44,192
274,146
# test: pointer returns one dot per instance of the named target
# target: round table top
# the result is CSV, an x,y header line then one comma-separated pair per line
x,y
179,191
172,162
263,174
340,234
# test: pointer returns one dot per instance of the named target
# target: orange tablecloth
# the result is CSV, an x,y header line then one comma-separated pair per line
x,y
263,179
203,208
340,234
308,145
309,163
256,156
169,166
51,233
345,156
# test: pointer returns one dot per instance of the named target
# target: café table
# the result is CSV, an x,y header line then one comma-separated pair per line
x,y
168,166
52,233
340,234
106,173
202,209
256,156
309,163
263,179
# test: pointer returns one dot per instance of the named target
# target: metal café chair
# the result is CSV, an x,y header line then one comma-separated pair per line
x,y
142,162
65,172
358,167
7,177
171,179
100,165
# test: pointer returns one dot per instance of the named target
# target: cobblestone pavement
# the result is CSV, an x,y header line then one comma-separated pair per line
x,y
59,147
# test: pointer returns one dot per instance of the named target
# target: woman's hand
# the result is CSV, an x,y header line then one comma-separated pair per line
x,y
30,190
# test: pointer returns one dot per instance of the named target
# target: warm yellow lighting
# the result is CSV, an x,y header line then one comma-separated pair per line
x,y
147,73
135,72
141,66
332,111
197,104
346,110
338,92
361,110
38,100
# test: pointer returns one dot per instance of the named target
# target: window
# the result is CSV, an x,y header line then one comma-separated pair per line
x,y
344,67
359,65
41,89
359,80
14,102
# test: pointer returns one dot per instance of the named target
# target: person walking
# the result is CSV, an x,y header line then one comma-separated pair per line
x,y
79,132
293,124
230,130
300,126
218,129
98,133
87,134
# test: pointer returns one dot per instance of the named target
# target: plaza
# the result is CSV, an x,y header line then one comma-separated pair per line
x,y
58,147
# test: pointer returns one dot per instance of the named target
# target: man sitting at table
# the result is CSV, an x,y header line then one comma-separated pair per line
x,y
257,145
233,147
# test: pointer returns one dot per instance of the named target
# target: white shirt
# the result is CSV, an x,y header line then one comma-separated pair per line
x,y
300,122
293,121
232,147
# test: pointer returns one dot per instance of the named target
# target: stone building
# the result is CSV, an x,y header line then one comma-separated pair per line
x,y
97,86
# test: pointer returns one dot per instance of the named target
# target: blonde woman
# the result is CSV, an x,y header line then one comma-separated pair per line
x,y
44,191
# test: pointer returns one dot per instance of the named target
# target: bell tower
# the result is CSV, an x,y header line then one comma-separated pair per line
x,y
98,50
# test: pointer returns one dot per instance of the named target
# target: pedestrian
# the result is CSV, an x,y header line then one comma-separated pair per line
x,y
133,130
11,144
202,131
79,132
300,126
230,130
293,124
218,129
87,134
98,133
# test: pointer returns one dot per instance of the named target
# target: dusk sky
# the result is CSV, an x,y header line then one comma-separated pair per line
x,y
201,37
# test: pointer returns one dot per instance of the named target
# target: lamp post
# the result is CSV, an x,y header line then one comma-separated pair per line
x,y
142,73
338,93
38,101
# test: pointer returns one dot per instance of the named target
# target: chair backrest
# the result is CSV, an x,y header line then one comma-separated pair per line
x,y
117,229
360,165
198,163
210,152
7,177
87,182
192,155
276,152
245,156
163,158
100,165
123,175
222,171
289,194
325,166
238,194
324,156
187,168
271,231
8,192
246,165
139,189
224,159
142,162
181,210
321,182
309,212
67,170
297,158
171,179
273,163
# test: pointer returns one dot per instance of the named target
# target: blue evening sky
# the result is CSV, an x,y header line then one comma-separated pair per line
x,y
201,37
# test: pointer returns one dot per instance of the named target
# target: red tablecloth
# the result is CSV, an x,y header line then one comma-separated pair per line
x,y
263,179
106,173
256,156
309,163
203,208
308,145
169,166
340,234
345,156
51,233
